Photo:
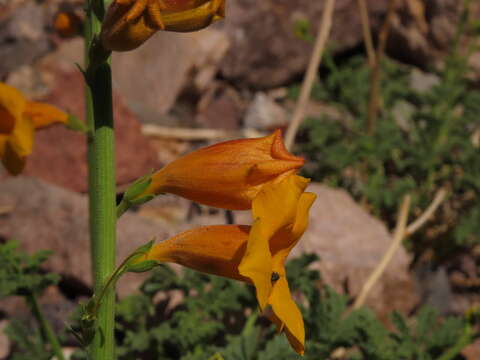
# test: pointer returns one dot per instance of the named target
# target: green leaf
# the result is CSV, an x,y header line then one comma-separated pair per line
x,y
138,187
142,266
73,123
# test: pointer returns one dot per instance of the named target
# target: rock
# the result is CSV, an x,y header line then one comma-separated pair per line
x,y
59,154
220,108
164,66
408,40
265,114
422,31
423,82
474,64
22,37
472,351
434,288
402,113
210,47
350,243
44,216
28,81
444,17
265,51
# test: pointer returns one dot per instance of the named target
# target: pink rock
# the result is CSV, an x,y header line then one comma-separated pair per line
x,y
59,154
350,243
42,216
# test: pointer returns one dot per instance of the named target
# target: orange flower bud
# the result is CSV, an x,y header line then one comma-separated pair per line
x,y
67,24
229,174
129,23
19,119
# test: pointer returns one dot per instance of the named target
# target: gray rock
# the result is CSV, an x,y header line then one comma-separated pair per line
x,y
266,53
402,113
265,114
164,66
22,38
423,81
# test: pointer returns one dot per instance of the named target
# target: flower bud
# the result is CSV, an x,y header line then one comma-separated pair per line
x,y
229,174
129,23
67,24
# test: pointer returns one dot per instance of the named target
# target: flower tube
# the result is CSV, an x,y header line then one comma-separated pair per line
x,y
229,174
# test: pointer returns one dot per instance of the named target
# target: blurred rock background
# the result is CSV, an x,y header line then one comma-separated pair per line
x,y
181,91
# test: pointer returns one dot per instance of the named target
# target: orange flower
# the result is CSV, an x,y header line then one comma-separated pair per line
x,y
19,118
67,24
129,23
229,174
254,254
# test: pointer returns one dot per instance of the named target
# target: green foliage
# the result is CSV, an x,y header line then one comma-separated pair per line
x,y
20,273
28,343
423,141
192,316
217,320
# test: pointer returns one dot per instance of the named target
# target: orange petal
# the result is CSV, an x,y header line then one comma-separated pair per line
x,y
257,262
3,144
274,210
12,106
12,161
43,115
276,203
21,139
196,18
180,5
287,315
121,34
284,241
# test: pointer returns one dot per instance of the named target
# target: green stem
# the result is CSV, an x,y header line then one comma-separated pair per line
x,y
45,326
101,184
122,208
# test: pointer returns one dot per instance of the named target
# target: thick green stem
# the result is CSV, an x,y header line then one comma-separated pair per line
x,y
45,326
101,183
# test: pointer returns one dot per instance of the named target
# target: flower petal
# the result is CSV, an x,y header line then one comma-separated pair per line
x,y
43,115
257,262
21,139
12,161
274,210
276,203
196,18
284,241
287,315
12,106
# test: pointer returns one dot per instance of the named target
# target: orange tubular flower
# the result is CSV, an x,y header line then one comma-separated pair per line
x,y
129,23
229,174
254,254
19,118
